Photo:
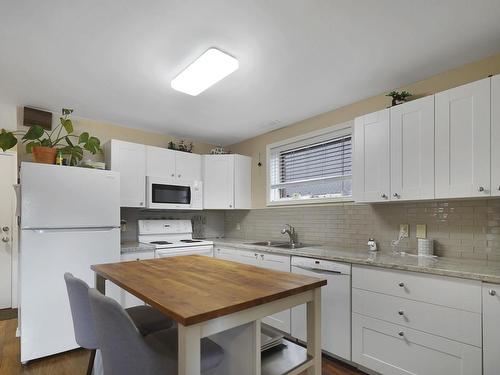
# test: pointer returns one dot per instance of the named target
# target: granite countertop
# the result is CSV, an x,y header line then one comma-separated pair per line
x,y
487,271
135,247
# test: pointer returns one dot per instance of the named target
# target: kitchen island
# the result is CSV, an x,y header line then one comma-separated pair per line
x,y
223,300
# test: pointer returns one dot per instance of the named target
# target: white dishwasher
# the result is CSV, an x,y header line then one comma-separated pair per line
x,y
335,305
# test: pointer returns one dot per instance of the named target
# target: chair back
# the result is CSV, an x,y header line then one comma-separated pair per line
x,y
124,351
83,321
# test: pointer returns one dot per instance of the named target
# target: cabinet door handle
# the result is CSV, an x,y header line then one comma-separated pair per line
x,y
480,189
401,312
396,195
5,239
384,196
179,175
402,285
230,206
492,292
141,204
498,187
401,333
173,175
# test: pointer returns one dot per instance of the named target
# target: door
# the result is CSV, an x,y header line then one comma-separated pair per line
x,y
412,150
371,172
495,136
491,328
218,188
463,141
242,182
62,197
160,162
7,209
187,166
335,313
280,320
45,316
130,161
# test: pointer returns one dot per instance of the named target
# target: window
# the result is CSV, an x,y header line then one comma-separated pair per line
x,y
315,167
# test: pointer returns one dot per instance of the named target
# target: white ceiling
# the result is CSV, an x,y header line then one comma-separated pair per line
x,y
113,60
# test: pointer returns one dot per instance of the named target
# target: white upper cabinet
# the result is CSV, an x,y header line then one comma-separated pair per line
x,y
371,170
495,135
187,166
130,160
412,150
463,141
172,164
227,182
160,162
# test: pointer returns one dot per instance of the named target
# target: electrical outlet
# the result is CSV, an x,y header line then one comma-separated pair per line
x,y
421,231
404,231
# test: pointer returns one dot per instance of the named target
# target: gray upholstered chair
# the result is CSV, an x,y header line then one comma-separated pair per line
x,y
146,319
126,352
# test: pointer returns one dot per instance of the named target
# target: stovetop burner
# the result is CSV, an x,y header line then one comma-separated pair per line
x,y
190,241
160,243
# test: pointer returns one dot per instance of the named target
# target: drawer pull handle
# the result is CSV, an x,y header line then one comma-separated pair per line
x,y
492,292
401,312
402,285
401,333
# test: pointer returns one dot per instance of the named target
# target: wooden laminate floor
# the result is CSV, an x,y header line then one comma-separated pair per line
x,y
75,362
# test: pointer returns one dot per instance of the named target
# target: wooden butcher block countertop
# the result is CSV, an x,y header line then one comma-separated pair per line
x,y
193,289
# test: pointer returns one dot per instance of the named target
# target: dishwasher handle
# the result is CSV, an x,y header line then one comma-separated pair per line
x,y
318,270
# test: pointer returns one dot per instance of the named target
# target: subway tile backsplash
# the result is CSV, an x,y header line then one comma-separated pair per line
x,y
460,228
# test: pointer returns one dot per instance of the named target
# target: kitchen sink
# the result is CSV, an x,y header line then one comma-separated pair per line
x,y
268,243
292,246
281,245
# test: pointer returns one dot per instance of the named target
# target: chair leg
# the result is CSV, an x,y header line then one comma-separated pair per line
x,y
90,369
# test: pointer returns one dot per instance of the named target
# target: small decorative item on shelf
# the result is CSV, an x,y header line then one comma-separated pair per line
x,y
46,145
399,97
219,150
181,146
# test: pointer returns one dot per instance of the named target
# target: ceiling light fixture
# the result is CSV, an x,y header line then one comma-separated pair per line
x,y
204,72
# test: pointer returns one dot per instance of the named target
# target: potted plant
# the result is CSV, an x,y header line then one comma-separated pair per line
x,y
46,144
399,97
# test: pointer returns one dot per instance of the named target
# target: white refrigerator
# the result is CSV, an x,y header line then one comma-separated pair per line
x,y
70,220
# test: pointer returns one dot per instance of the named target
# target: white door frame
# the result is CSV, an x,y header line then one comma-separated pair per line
x,y
14,234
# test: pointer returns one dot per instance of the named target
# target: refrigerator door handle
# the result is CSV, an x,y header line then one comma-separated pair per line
x,y
82,229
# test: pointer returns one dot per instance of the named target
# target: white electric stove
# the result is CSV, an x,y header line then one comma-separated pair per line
x,y
172,238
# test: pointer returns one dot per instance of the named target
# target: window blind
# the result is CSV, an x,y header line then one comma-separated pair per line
x,y
312,169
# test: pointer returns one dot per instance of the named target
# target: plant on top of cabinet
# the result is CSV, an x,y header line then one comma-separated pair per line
x,y
399,97
45,145
181,146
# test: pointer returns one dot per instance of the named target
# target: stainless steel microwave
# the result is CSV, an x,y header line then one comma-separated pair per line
x,y
171,194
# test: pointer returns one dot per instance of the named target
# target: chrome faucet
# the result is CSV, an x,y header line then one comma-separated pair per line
x,y
288,229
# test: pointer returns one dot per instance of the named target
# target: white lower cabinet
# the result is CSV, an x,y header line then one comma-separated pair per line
x,y
491,329
392,350
126,299
413,323
277,262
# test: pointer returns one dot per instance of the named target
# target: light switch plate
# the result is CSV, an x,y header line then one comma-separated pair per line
x,y
404,231
421,231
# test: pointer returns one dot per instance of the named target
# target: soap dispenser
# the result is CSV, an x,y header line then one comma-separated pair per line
x,y
372,245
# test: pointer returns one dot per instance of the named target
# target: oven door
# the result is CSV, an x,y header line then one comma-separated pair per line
x,y
167,194
206,250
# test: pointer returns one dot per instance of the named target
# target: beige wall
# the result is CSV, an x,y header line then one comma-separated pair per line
x,y
106,131
440,82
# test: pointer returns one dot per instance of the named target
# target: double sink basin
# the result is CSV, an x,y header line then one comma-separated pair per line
x,y
281,245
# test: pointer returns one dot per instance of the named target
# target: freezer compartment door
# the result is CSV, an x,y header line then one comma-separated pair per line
x,y
65,197
45,316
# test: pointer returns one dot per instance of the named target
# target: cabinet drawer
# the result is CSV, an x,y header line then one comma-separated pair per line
x,y
439,290
391,349
459,325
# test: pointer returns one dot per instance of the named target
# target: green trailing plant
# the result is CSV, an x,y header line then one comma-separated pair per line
x,y
72,146
398,97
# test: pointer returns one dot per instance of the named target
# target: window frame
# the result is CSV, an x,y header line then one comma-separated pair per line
x,y
339,130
